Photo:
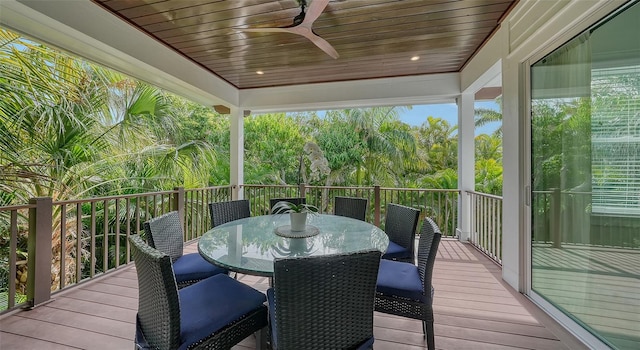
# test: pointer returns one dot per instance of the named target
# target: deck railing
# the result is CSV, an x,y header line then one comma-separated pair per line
x,y
49,245
439,204
486,224
55,244
561,217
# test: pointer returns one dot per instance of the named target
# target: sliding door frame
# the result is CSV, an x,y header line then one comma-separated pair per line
x,y
607,10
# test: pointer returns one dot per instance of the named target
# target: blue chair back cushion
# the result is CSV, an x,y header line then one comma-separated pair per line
x,y
395,250
193,267
199,317
401,279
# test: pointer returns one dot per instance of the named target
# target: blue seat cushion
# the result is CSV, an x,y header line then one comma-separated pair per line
x,y
213,303
401,279
394,250
367,344
193,267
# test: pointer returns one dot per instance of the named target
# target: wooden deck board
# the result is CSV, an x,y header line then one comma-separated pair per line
x,y
18,342
473,309
598,285
61,334
81,321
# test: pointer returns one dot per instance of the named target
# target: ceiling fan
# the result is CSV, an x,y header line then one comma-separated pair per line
x,y
302,26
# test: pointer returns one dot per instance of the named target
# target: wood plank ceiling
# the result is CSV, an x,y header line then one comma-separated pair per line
x,y
374,38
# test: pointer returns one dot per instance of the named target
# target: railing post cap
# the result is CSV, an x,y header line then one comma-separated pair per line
x,y
40,199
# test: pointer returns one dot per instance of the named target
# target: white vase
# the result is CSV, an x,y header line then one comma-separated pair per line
x,y
298,221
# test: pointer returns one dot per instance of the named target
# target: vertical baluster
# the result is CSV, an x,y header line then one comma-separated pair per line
x,y
13,248
105,237
92,248
137,216
79,233
199,215
128,230
117,232
63,244
191,211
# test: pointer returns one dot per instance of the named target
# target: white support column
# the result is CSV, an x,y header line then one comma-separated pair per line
x,y
236,163
466,162
513,163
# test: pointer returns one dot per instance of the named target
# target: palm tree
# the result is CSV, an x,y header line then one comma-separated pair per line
x,y
71,129
438,140
488,147
484,116
385,146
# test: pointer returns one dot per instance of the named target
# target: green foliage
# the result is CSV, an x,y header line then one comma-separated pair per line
x,y
75,129
440,144
273,147
288,207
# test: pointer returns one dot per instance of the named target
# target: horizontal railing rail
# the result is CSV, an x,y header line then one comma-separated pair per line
x,y
486,224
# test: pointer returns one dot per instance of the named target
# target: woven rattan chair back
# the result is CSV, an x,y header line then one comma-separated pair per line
x,y
165,233
223,212
352,207
418,309
325,302
400,225
427,250
294,200
158,306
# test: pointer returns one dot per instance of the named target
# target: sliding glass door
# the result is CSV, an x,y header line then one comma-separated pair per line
x,y
585,163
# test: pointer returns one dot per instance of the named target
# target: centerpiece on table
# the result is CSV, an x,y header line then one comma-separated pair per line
x,y
298,216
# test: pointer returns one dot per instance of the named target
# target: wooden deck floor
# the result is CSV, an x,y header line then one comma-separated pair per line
x,y
474,309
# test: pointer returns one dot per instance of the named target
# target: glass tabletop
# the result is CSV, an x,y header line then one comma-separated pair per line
x,y
251,244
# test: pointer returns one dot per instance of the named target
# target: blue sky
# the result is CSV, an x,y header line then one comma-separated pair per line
x,y
448,111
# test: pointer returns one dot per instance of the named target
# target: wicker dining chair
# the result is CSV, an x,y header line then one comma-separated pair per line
x,y
400,225
294,200
323,302
223,212
165,233
405,289
352,207
215,313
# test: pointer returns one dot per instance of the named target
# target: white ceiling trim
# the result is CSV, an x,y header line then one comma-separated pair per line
x,y
85,29
425,89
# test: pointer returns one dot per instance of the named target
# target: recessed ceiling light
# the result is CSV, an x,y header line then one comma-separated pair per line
x,y
415,58
259,72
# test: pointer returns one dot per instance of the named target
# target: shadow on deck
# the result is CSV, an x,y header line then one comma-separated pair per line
x,y
473,308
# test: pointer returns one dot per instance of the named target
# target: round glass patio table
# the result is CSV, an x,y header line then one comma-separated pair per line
x,y
250,245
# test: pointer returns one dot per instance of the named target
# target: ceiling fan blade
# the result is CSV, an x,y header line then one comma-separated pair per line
x,y
304,29
314,11
323,45
266,30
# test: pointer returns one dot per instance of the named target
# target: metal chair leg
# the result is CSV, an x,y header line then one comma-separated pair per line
x,y
261,339
431,344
